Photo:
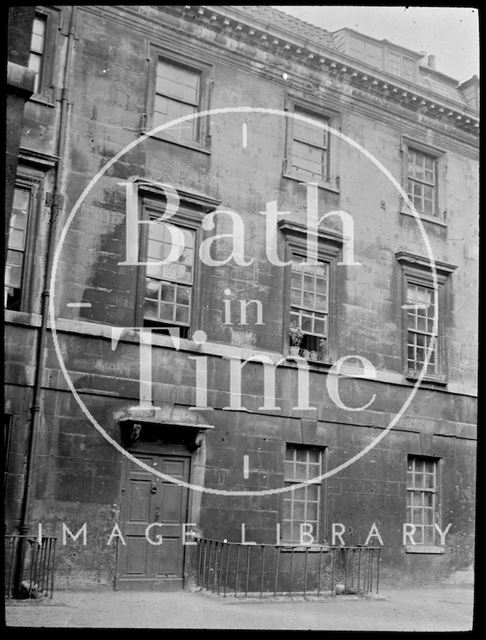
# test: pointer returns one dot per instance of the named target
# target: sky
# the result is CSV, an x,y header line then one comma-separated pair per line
x,y
451,33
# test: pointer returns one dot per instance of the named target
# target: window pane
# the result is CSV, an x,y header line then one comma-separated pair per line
x,y
39,25
152,289
177,82
13,276
21,201
167,292
183,295
310,133
429,535
166,110
182,314
37,43
166,311
151,309
309,159
301,505
299,510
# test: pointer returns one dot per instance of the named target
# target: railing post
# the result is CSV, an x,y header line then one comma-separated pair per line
x,y
11,565
319,573
369,571
262,570
204,564
353,559
199,559
237,569
277,560
227,569
291,568
378,569
53,545
359,567
305,569
43,570
33,558
333,571
248,570
346,563
215,570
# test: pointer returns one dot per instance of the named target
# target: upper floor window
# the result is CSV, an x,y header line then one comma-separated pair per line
x,y
177,94
168,296
422,302
37,49
168,293
422,182
420,320
311,147
311,292
15,268
179,86
422,493
301,506
309,307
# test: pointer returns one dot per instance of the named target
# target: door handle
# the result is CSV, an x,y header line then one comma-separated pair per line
x,y
153,489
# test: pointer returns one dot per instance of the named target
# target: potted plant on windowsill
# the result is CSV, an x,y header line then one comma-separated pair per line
x,y
295,337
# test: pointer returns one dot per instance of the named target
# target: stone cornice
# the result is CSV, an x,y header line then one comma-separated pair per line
x,y
443,269
236,24
280,49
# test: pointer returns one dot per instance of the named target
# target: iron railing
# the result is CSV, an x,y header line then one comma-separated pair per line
x,y
265,570
32,574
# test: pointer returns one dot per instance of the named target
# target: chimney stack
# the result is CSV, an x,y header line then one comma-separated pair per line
x,y
431,61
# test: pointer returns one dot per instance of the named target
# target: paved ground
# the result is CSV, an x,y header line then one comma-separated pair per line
x,y
425,609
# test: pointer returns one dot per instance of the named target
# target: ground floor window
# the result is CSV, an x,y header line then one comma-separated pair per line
x,y
301,505
422,503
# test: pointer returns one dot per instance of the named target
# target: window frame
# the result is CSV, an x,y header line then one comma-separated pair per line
x,y
32,180
416,270
206,74
320,111
389,52
320,534
52,17
413,282
312,311
329,249
440,157
190,214
430,456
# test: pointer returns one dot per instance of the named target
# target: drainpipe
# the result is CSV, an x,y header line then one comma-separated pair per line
x,y
56,210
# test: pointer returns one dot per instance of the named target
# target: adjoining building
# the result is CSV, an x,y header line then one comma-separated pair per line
x,y
295,120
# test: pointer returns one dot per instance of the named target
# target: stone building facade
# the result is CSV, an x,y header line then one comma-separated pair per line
x,y
296,120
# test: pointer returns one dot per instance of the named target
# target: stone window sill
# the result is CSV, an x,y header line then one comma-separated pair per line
x,y
41,99
327,186
413,376
194,146
434,220
423,548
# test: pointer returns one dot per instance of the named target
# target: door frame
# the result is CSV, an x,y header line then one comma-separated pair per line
x,y
162,449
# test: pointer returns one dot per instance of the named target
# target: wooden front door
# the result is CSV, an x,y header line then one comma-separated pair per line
x,y
148,500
